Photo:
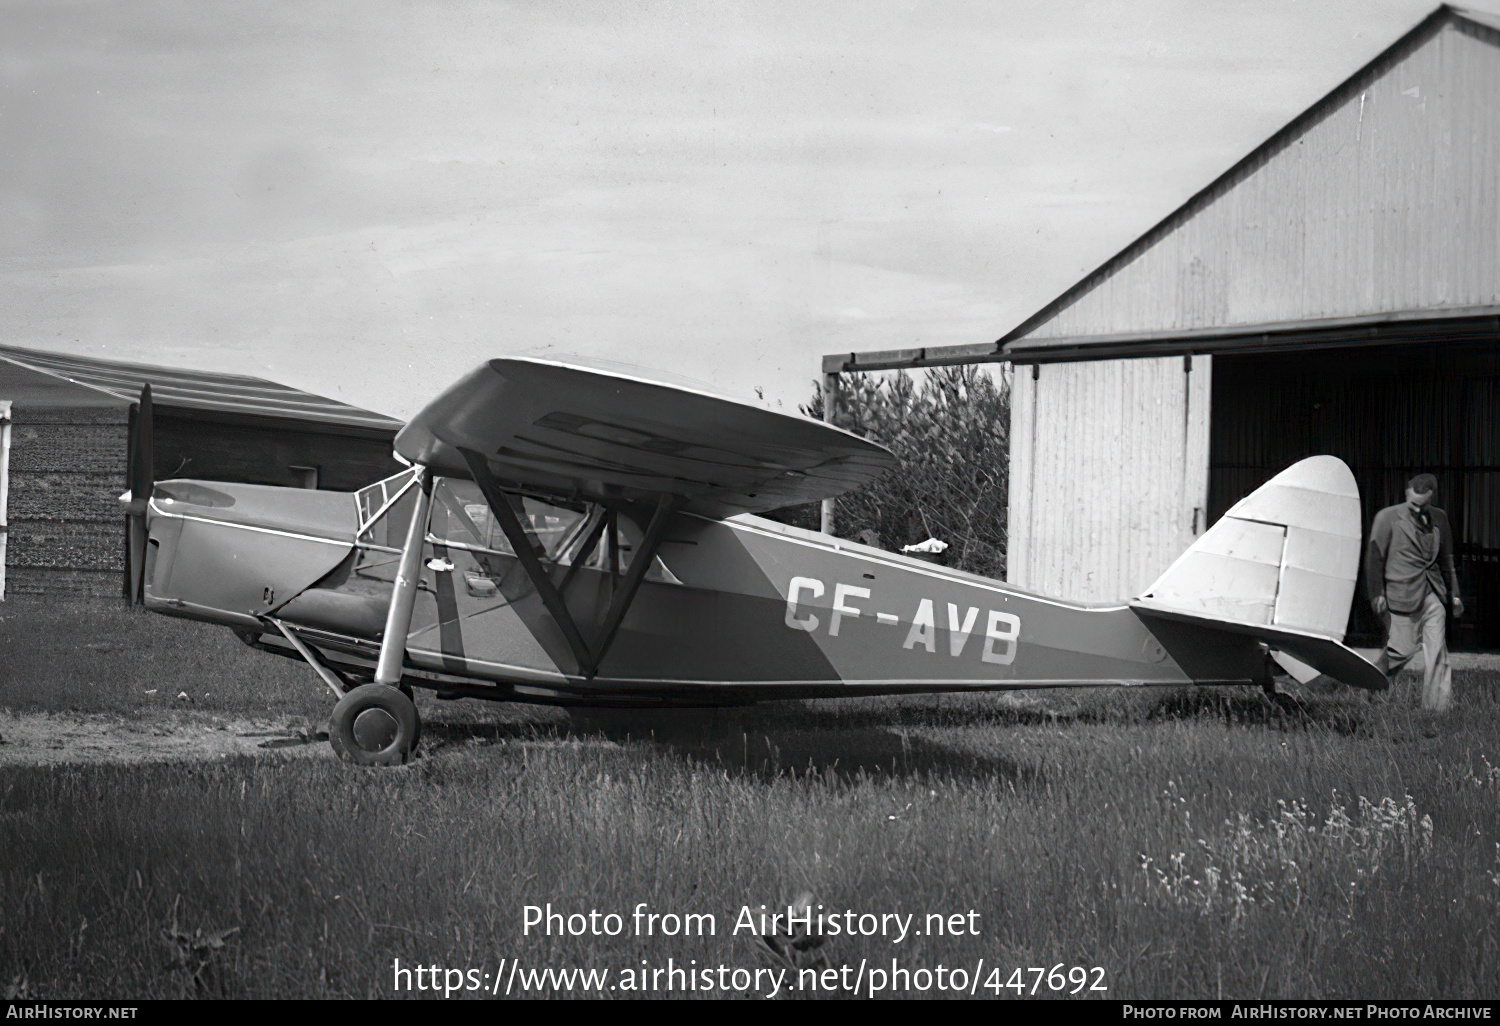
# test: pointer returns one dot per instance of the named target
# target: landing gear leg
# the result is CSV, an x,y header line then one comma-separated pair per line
x,y
377,724
1280,699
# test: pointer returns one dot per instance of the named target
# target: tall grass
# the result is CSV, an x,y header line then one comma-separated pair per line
x,y
1361,836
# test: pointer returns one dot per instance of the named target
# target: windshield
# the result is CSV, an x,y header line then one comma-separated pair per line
x,y
383,518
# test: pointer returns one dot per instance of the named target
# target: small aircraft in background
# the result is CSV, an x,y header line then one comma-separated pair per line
x,y
566,535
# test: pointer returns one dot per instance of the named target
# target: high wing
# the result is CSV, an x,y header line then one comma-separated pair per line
x,y
608,436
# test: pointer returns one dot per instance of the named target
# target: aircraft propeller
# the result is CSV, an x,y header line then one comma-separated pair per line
x,y
140,479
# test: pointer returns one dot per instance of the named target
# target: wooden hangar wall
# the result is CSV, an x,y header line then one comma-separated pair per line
x,y
1108,471
69,453
1107,491
1383,198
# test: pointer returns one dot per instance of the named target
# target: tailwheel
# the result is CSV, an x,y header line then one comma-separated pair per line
x,y
375,725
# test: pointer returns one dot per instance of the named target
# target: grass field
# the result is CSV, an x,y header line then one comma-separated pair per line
x,y
1190,843
81,655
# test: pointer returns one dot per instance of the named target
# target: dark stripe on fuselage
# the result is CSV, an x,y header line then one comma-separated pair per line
x,y
450,629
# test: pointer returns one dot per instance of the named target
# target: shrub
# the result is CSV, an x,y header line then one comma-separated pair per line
x,y
951,435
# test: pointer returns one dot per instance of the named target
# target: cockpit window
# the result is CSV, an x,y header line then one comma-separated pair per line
x,y
462,518
629,537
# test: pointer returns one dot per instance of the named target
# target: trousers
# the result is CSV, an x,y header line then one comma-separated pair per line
x,y
1426,629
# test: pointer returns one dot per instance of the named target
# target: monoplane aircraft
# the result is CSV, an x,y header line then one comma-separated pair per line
x,y
568,535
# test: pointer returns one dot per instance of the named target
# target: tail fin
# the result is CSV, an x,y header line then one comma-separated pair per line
x,y
1280,567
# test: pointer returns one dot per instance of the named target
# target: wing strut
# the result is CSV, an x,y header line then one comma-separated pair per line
x,y
588,658
584,551
500,505
633,577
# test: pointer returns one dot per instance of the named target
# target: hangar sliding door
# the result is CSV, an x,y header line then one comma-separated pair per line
x,y
1109,473
1390,412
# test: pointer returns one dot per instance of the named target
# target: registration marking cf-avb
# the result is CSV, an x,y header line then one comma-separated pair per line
x,y
1001,627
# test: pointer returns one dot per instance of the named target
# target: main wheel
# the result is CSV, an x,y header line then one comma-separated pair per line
x,y
374,725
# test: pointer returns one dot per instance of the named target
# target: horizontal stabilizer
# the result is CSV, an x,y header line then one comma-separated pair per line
x,y
1334,658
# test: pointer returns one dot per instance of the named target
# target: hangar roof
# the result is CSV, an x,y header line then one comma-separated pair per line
x,y
1370,217
174,387
1376,204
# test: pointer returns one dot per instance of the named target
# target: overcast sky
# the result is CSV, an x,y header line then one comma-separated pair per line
x,y
365,199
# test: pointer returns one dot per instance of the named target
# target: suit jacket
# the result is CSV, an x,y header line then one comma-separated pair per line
x,y
1405,559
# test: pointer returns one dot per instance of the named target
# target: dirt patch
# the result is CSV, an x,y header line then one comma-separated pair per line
x,y
43,739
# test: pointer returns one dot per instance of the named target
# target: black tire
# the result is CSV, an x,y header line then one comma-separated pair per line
x,y
374,725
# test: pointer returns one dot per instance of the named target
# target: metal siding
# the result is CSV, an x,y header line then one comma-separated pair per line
x,y
1389,202
1022,444
1109,461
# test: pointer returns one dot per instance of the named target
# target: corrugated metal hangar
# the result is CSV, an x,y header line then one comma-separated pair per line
x,y
72,422
1336,291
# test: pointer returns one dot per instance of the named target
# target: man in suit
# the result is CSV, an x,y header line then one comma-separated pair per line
x,y
1412,585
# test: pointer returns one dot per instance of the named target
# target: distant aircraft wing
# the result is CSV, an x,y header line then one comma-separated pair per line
x,y
604,435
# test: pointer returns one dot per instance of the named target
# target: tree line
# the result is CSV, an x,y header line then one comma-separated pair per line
x,y
950,433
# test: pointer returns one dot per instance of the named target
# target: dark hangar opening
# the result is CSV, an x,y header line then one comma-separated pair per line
x,y
1389,411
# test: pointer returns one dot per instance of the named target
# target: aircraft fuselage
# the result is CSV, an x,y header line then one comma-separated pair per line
x,y
731,610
